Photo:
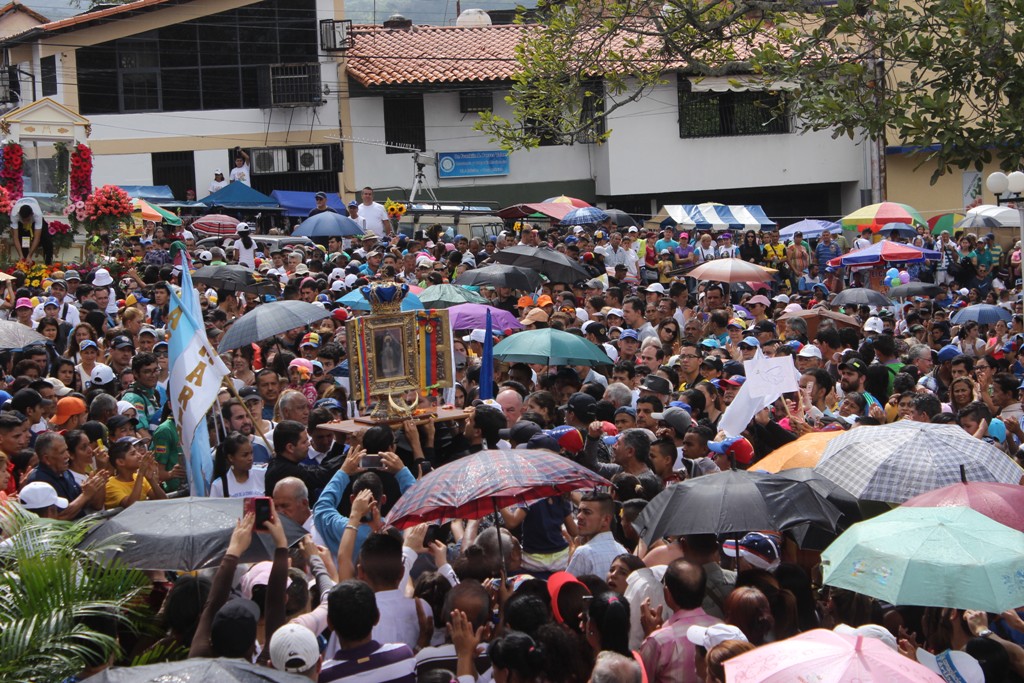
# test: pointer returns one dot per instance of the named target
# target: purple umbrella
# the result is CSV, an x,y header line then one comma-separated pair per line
x,y
474,316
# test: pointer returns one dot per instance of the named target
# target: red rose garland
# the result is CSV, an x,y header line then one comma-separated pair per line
x,y
81,173
11,174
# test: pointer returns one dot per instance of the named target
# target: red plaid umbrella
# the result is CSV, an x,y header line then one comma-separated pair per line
x,y
477,485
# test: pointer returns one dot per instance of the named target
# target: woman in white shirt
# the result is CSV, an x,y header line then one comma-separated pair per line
x,y
233,473
245,246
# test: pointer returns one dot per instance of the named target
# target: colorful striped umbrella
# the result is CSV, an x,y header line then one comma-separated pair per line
x,y
874,216
149,212
944,221
562,199
479,484
884,251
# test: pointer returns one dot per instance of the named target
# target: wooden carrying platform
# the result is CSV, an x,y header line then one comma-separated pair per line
x,y
359,424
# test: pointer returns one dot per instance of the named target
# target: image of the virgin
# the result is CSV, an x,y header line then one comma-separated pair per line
x,y
389,355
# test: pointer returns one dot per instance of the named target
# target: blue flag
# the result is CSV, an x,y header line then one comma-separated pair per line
x,y
195,379
487,363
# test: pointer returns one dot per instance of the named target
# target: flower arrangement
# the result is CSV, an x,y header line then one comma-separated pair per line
x,y
11,173
394,209
81,172
63,235
5,208
107,209
35,273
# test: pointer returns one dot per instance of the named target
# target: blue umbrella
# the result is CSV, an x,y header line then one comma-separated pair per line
x,y
356,301
328,224
588,215
983,314
811,228
898,230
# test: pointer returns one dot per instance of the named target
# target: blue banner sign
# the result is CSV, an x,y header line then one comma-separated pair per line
x,y
472,164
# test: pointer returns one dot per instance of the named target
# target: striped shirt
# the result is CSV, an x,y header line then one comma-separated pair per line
x,y
371,663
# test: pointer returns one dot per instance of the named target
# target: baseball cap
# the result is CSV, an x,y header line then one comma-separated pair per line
x,y
537,315
477,335
873,324
68,407
543,441
856,364
627,410
545,300
582,405
780,298
759,299
760,550
655,288
947,353
294,648
311,339
568,438
733,380
122,342
135,299
655,384
23,302
629,334
249,393
329,403
101,374
736,322
735,446
713,362
676,418
521,432
953,665
615,311
234,627
58,387
525,301
119,421
810,351
353,203
710,343
87,344
39,495
750,342
708,637
51,301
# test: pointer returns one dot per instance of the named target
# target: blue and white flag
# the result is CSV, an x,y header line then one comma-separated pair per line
x,y
196,373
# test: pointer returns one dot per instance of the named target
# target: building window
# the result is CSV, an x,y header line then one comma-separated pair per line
x,y
404,123
48,75
592,110
475,101
211,63
726,114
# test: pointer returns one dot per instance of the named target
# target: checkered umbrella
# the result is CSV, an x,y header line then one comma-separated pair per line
x,y
895,462
267,320
477,485
587,215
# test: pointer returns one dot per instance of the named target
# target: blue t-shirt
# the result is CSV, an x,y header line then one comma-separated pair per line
x,y
663,244
542,527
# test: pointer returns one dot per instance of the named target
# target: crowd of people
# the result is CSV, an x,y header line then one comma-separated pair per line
x,y
558,590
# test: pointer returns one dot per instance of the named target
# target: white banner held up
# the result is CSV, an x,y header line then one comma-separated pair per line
x,y
767,380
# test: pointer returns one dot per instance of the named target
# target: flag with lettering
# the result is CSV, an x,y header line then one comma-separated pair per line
x,y
195,379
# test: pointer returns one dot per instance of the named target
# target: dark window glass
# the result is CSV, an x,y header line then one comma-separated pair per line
x,y
97,92
218,40
725,114
140,91
181,89
48,75
220,88
179,46
404,123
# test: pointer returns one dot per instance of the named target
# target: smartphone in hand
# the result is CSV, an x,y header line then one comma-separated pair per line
x,y
260,507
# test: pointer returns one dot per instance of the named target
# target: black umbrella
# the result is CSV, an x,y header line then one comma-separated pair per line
x,y
267,320
233,279
14,335
221,669
621,218
499,275
861,296
555,265
808,536
184,534
914,289
733,503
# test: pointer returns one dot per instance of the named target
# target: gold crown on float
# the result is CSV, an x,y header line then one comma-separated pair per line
x,y
384,297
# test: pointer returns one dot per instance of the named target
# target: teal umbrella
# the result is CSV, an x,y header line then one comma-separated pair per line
x,y
550,347
356,301
445,296
930,557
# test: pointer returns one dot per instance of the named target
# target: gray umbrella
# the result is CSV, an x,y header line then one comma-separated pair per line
x,y
267,320
184,534
861,296
14,335
499,275
221,669
233,279
555,265
621,218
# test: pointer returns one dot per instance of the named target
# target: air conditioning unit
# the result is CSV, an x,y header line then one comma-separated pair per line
x,y
310,159
272,160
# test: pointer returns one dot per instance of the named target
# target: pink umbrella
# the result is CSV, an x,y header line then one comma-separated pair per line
x,y
1002,502
216,223
474,316
826,657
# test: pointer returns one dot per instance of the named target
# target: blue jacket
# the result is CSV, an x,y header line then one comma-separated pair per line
x,y
331,523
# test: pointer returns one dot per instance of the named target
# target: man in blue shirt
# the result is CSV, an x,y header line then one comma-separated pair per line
x,y
826,250
666,242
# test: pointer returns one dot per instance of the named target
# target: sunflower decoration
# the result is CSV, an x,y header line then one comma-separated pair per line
x,y
394,209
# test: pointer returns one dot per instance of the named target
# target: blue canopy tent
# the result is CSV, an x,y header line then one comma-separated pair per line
x,y
299,204
154,194
717,217
240,196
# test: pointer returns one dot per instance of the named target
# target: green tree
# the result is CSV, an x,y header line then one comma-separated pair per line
x,y
940,75
50,590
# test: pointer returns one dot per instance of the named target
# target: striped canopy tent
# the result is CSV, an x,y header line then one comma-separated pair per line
x,y
718,217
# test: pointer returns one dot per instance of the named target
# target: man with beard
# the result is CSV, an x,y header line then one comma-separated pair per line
x,y
236,419
852,373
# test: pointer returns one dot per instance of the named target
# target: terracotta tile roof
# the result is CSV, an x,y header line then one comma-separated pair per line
x,y
454,54
19,7
86,18
433,54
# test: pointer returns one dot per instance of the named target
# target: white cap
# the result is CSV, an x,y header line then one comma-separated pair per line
x,y
656,288
809,351
424,261
206,256
243,227
869,631
612,352
963,292
476,336
874,324
217,171
337,285
633,228
124,406
709,636
792,308
615,311
350,279
188,235
953,666
39,495
337,274
294,648
58,387
102,278
781,299
101,374
582,315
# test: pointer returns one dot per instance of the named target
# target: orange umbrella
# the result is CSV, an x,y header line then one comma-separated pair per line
x,y
732,270
804,452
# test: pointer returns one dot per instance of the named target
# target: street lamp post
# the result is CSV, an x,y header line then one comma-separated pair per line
x,y
999,184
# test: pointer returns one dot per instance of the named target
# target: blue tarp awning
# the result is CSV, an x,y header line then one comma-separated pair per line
x,y
720,216
151,193
238,195
295,203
